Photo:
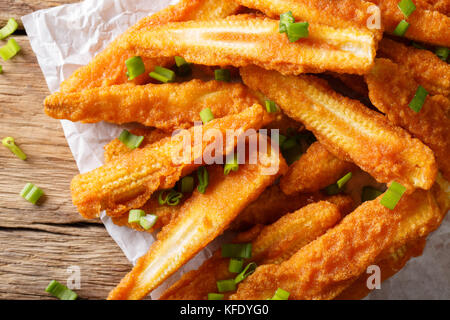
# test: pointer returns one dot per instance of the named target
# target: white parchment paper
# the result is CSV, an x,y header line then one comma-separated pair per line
x,y
67,37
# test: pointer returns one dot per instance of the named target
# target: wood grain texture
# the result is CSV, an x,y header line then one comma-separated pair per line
x,y
38,243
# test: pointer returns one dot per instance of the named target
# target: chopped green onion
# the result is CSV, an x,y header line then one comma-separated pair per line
x,y
8,29
60,291
332,189
231,165
1,69
163,74
281,294
235,265
148,221
11,145
393,195
203,179
281,139
335,188
9,50
226,285
31,193
289,143
130,140
417,102
206,115
187,184
249,269
215,296
222,75
135,67
298,30
407,7
417,45
134,216
172,198
442,53
369,193
285,20
237,250
401,28
342,181
183,67
271,106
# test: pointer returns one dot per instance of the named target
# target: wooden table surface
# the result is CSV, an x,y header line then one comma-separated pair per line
x,y
39,243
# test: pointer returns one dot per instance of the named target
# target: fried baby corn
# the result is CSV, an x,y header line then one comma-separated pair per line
x,y
203,217
247,39
274,243
129,181
347,128
108,67
391,89
165,106
315,170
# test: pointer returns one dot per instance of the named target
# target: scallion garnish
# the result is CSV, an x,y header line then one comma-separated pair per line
x,y
206,115
407,7
11,145
1,69
417,45
134,216
248,270
162,74
187,184
401,28
135,67
9,50
369,193
60,291
286,19
148,221
183,68
271,107
442,53
418,101
172,197
222,75
31,193
393,195
281,294
335,188
281,139
226,285
8,29
215,296
342,181
203,179
235,265
298,30
237,250
231,165
130,140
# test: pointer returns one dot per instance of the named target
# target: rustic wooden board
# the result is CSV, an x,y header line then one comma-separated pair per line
x,y
38,243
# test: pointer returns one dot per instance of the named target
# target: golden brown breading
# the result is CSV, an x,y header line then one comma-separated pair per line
x,y
442,6
129,181
203,217
164,106
247,39
347,128
424,66
315,170
391,89
108,67
274,243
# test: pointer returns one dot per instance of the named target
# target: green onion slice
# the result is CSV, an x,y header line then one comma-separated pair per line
x,y
442,53
342,181
418,101
60,291
281,294
135,67
369,193
148,221
172,197
206,115
11,145
271,107
134,216
226,285
9,50
8,29
203,179
401,28
231,165
285,20
187,184
407,7
31,193
335,188
248,270
215,296
235,265
393,195
237,250
130,140
183,67
163,74
298,30
1,69
222,75
281,139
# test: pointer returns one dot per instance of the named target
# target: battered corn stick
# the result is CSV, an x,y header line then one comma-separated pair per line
x,y
274,243
325,267
129,181
203,217
108,67
247,39
164,106
315,170
391,89
424,66
348,129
